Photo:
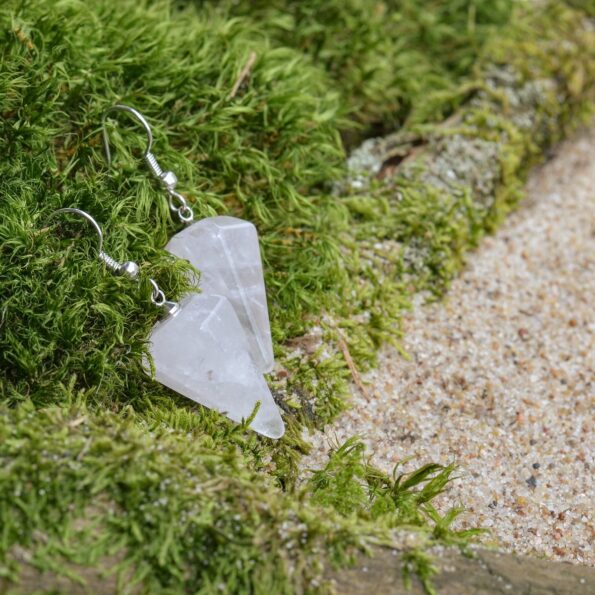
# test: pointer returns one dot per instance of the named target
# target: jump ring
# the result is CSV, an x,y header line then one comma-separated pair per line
x,y
157,296
176,200
185,213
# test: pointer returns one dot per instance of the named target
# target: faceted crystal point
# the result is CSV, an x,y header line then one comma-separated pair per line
x,y
226,251
202,353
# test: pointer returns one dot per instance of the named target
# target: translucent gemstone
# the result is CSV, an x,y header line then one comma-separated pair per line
x,y
202,353
226,251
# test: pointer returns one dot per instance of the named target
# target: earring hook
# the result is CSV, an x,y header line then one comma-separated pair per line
x,y
138,116
168,179
128,268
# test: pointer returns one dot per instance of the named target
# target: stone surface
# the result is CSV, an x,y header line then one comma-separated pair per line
x,y
226,252
485,572
202,353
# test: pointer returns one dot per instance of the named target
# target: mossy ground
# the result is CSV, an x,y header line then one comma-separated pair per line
x,y
99,462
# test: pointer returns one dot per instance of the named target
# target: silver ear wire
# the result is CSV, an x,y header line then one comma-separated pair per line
x,y
145,125
129,269
167,179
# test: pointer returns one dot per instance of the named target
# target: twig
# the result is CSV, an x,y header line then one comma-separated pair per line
x,y
412,146
244,74
23,38
77,422
84,450
351,364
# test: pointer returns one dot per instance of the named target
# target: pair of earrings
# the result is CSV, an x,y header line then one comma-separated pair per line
x,y
212,347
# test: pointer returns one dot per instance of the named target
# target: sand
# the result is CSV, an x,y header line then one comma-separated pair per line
x,y
501,376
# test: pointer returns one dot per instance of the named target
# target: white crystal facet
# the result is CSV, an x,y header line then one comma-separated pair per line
x,y
202,353
226,251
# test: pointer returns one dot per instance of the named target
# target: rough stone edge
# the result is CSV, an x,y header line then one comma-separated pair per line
x,y
482,571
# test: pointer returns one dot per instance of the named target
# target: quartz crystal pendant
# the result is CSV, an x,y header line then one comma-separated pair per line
x,y
226,252
201,352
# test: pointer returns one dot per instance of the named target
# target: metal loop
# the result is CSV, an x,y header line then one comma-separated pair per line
x,y
178,204
185,214
157,295
176,200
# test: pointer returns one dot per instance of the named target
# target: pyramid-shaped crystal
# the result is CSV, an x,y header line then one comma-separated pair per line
x,y
226,251
201,352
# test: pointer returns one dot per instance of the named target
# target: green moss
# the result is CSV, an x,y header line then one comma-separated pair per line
x,y
389,60
350,485
166,512
83,490
419,563
80,420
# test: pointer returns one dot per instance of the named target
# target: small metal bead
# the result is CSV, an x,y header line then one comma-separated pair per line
x,y
169,179
130,269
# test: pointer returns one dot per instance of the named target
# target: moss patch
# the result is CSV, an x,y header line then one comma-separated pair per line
x,y
88,497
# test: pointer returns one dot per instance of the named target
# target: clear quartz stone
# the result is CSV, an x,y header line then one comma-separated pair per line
x,y
201,352
226,251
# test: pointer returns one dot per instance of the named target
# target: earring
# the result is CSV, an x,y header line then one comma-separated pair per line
x,y
200,351
225,250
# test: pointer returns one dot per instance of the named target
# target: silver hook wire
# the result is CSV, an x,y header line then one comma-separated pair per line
x,y
166,178
128,268
138,116
86,216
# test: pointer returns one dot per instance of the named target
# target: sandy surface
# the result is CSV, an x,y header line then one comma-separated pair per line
x,y
502,374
